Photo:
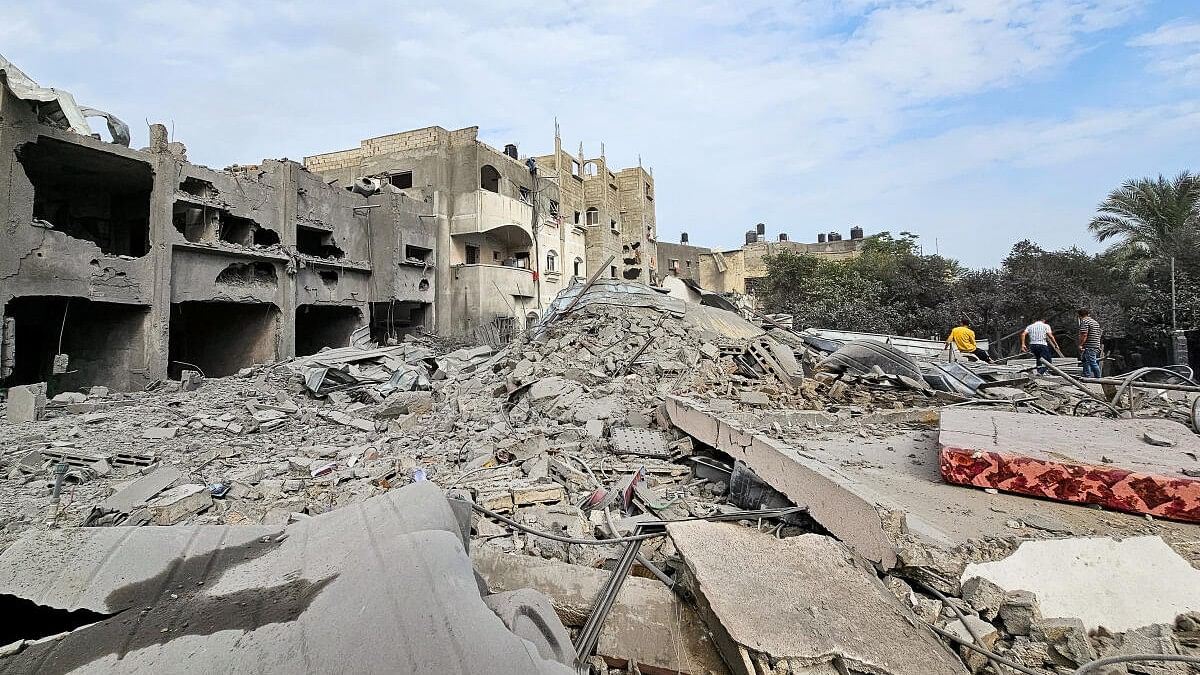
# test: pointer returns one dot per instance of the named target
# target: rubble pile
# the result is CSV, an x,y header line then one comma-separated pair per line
x,y
621,409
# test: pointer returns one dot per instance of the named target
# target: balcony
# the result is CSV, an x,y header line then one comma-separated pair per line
x,y
484,211
486,279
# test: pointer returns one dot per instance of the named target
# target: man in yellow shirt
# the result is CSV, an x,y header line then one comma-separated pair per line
x,y
964,338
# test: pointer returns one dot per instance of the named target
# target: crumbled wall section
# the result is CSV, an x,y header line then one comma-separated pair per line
x,y
221,242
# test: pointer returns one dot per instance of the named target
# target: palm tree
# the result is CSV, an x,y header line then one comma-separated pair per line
x,y
1154,220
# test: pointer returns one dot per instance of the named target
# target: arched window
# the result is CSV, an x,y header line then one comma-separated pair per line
x,y
489,178
531,319
551,261
589,168
593,216
578,267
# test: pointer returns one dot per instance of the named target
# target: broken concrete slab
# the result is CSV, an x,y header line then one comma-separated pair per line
x,y
1082,460
26,403
160,433
141,490
1119,585
281,602
851,516
643,442
806,599
190,380
648,624
180,503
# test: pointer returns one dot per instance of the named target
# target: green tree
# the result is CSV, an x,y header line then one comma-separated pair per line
x,y
1152,220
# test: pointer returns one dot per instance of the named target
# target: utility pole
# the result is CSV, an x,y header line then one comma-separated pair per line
x,y
1173,326
1179,348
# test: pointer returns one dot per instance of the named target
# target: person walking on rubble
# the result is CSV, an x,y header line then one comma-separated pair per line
x,y
963,337
1089,343
1037,338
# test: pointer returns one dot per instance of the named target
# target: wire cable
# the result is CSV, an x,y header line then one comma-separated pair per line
x,y
547,535
992,656
966,624
1129,658
737,515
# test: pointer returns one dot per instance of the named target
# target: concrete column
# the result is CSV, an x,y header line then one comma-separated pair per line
x,y
162,200
442,312
285,346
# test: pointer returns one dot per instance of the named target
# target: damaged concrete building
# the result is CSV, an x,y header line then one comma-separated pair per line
x,y
136,264
512,231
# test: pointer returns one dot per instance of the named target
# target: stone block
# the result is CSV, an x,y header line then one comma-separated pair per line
x,y
180,503
538,494
983,596
26,403
160,433
190,380
1067,641
1019,612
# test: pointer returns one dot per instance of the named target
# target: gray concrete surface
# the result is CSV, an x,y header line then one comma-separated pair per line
x,y
806,599
381,585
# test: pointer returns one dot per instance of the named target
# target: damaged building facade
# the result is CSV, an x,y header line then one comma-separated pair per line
x,y
122,267
511,231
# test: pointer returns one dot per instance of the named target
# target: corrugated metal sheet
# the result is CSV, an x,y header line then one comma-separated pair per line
x,y
381,586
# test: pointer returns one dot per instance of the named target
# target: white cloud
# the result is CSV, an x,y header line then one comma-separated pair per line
x,y
1174,50
749,111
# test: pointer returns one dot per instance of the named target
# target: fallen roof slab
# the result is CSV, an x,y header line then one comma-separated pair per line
x,y
383,584
1120,585
1084,460
806,599
852,517
865,491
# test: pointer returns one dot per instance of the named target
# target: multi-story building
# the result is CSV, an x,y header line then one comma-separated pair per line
x,y
512,231
121,267
136,264
740,270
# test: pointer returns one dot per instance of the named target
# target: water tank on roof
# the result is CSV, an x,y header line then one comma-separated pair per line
x,y
751,236
366,186
856,232
683,237
821,238
834,236
783,236
760,229
511,150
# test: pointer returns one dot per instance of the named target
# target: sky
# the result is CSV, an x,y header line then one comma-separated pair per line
x,y
971,123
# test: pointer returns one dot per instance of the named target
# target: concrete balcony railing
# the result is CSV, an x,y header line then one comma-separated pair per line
x,y
485,279
491,211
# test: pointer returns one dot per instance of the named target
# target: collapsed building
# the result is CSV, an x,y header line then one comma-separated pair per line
x,y
642,481
136,264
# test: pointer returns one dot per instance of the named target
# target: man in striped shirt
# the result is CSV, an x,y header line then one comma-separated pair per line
x,y
1089,343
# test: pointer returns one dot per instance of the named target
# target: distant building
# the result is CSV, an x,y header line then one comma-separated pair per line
x,y
741,270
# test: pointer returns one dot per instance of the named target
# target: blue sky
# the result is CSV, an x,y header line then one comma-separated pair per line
x,y
973,123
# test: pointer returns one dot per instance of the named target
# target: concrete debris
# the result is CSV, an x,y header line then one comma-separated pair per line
x,y
586,428
26,403
806,600
1117,585
179,503
1019,612
649,625
392,567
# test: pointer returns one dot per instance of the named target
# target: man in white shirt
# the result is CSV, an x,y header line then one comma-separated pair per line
x,y
1037,339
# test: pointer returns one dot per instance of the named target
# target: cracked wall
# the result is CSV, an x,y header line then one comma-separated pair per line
x,y
214,265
